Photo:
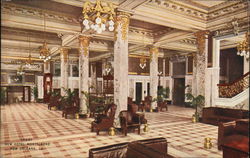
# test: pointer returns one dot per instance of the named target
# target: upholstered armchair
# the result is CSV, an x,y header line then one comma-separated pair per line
x,y
104,122
162,105
129,120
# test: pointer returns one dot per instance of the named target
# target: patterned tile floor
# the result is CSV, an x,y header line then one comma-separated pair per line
x,y
30,130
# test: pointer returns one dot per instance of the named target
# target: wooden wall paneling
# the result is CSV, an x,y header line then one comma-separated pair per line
x,y
134,67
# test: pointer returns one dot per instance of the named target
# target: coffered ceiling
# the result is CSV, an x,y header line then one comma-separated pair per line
x,y
168,24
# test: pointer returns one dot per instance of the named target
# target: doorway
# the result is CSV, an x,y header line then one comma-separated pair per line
x,y
179,91
138,92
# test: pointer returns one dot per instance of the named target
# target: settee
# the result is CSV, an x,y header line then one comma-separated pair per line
x,y
149,148
214,115
233,130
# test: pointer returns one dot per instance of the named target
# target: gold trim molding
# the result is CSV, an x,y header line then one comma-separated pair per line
x,y
84,44
122,19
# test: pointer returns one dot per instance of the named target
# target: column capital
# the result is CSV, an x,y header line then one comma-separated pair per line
x,y
200,39
122,19
84,44
84,40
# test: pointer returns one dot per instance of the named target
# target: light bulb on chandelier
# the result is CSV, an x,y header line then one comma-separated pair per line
x,y
243,47
100,16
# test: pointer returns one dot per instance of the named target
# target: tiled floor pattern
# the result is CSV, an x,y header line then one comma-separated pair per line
x,y
54,136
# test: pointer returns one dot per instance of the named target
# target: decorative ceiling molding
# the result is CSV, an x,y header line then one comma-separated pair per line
x,y
181,9
13,9
240,6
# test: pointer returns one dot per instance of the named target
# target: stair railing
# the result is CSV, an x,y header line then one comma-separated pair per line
x,y
230,90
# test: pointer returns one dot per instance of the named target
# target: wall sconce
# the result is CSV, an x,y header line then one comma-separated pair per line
x,y
143,62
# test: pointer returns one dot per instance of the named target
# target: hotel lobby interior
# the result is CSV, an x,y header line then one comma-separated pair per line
x,y
125,78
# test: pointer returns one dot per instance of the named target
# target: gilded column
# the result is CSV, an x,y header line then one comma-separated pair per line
x,y
121,63
83,72
153,73
64,69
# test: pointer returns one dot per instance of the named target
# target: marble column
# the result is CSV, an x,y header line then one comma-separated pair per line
x,y
200,64
153,74
64,70
83,72
121,64
93,78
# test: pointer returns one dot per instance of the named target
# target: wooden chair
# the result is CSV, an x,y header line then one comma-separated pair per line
x,y
162,105
129,120
73,108
104,122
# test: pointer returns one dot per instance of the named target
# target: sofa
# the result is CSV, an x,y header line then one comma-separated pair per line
x,y
214,115
149,148
233,130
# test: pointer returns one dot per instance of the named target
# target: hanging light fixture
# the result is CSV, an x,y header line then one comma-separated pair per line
x,y
44,51
143,62
97,16
108,68
20,71
28,62
243,47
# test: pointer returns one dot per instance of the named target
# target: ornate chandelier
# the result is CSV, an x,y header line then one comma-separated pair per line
x,y
243,47
96,16
44,51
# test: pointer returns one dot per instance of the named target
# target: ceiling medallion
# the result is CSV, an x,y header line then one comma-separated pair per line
x,y
97,15
243,47
44,51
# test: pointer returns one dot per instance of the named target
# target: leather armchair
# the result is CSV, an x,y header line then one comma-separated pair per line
x,y
162,105
231,130
104,122
129,120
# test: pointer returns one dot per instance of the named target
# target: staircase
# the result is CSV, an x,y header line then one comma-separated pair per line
x,y
234,93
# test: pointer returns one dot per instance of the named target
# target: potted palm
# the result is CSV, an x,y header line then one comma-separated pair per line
x,y
35,93
162,95
195,102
